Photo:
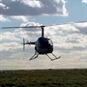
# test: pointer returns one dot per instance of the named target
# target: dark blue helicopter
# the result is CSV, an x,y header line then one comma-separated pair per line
x,y
42,45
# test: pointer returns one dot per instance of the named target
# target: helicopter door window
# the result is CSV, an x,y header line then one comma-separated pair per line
x,y
50,42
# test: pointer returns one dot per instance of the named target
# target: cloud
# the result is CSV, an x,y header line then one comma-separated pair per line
x,y
33,8
20,61
68,36
10,36
69,41
3,6
9,46
84,1
3,19
23,18
32,3
82,27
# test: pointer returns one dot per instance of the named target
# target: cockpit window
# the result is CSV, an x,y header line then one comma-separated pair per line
x,y
50,42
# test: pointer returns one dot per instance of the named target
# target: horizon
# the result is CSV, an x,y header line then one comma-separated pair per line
x,y
69,40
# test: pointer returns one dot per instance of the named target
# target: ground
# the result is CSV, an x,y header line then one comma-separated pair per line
x,y
44,78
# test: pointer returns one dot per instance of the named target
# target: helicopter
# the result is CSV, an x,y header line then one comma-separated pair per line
x,y
43,45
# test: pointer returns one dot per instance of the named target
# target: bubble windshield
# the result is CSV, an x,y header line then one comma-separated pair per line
x,y
50,42
44,42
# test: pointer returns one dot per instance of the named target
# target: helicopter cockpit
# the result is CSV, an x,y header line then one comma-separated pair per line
x,y
44,42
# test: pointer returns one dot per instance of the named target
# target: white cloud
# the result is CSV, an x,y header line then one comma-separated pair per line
x,y
82,27
34,7
10,36
84,1
20,61
3,6
3,19
9,46
69,35
32,3
23,18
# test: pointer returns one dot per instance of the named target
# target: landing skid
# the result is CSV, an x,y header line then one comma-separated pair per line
x,y
55,58
36,55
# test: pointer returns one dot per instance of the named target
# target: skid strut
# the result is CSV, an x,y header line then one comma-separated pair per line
x,y
54,57
34,56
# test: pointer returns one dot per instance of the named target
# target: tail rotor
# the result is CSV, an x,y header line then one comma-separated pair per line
x,y
27,43
24,44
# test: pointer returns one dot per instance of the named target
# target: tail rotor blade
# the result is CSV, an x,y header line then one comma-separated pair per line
x,y
23,44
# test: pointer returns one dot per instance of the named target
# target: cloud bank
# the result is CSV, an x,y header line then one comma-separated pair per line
x,y
33,7
70,41
23,9
84,1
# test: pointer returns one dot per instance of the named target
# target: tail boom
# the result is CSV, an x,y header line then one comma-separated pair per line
x,y
27,43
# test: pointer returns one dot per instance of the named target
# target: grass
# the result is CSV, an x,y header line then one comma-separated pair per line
x,y
44,78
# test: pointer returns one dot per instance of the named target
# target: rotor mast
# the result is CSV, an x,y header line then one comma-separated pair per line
x,y
42,32
42,27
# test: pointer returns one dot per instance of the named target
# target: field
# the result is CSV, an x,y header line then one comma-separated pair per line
x,y
44,78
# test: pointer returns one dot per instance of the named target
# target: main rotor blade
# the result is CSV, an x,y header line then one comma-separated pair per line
x,y
42,26
67,23
23,27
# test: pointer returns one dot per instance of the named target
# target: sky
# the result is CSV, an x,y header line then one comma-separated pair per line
x,y
69,38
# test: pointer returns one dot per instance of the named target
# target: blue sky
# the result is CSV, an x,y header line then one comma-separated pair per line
x,y
75,8
70,40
